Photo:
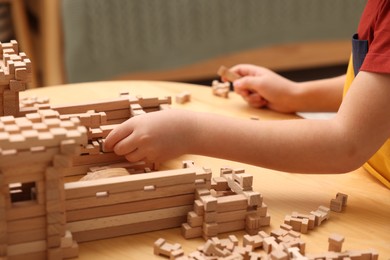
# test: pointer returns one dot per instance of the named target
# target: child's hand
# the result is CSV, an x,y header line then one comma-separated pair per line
x,y
156,136
261,87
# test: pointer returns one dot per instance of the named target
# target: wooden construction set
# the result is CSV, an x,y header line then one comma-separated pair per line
x,y
59,186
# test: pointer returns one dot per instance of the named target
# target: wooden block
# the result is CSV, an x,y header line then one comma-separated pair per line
x,y
158,248
279,255
190,232
209,203
67,240
228,74
252,221
265,221
255,241
210,216
343,197
183,97
201,192
278,233
225,227
245,180
71,252
268,244
194,220
220,184
286,227
335,242
336,205
304,226
21,74
210,249
210,229
199,207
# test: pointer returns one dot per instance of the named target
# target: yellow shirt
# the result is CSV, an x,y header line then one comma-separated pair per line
x,y
379,164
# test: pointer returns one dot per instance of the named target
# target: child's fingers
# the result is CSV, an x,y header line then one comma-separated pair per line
x,y
135,156
118,133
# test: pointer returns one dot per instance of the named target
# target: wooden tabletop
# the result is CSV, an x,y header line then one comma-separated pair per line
x,y
365,222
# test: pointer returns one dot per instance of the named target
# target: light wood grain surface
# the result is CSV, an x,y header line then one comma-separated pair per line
x,y
365,222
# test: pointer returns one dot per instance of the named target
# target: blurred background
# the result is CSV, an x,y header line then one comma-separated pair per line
x,y
73,41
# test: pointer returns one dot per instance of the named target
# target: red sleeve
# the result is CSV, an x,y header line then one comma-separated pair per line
x,y
375,27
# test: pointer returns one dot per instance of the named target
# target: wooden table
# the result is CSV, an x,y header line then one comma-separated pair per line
x,y
365,222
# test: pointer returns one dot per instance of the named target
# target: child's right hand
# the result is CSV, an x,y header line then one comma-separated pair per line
x,y
261,87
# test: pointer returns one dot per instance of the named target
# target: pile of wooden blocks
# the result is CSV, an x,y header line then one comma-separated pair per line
x,y
229,205
305,222
15,73
260,246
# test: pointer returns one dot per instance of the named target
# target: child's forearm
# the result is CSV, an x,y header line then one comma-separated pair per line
x,y
304,146
323,95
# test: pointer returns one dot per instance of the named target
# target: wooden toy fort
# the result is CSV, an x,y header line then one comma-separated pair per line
x,y
45,212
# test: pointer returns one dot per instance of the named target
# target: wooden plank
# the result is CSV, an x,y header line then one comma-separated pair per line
x,y
26,236
98,106
131,207
20,211
129,183
118,114
24,248
229,216
17,175
127,219
26,224
31,256
232,203
231,226
129,229
124,197
96,158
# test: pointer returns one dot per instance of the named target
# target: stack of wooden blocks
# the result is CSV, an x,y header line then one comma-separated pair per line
x,y
34,152
15,73
136,203
229,205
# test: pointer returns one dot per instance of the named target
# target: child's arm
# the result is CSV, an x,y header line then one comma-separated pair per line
x,y
337,145
258,84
